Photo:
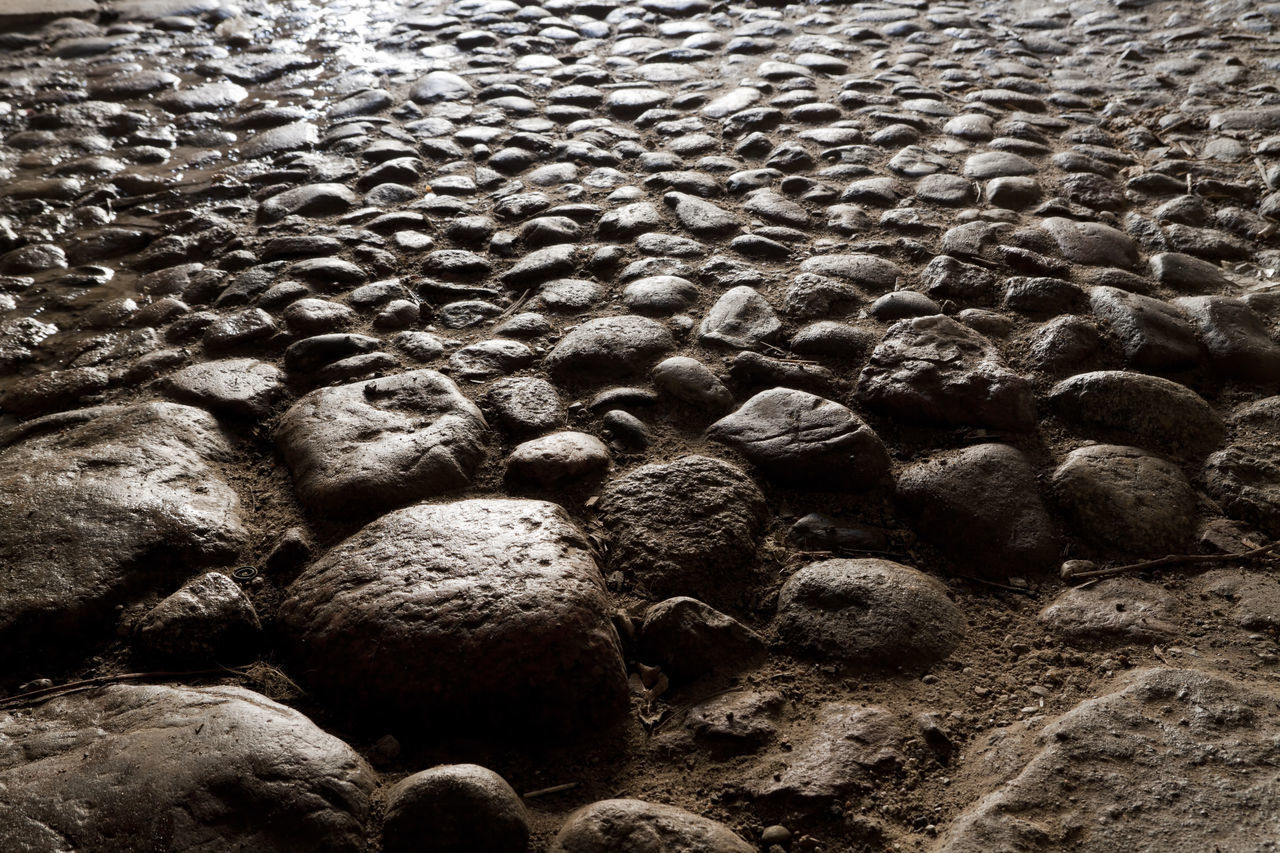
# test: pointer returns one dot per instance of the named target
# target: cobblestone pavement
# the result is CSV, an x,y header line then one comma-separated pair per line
x,y
672,427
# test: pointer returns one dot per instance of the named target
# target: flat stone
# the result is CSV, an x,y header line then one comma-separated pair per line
x,y
356,449
1115,610
169,767
79,535
1164,730
688,527
849,746
238,386
487,613
1122,499
935,369
618,826
868,613
981,507
311,200
805,440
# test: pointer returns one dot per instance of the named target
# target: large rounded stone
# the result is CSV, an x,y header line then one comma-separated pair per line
x,y
609,348
1148,410
935,369
155,767
455,808
356,449
99,505
634,826
1124,499
981,506
482,611
689,527
868,612
803,439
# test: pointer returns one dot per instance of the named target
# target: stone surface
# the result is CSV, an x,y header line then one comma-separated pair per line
x,y
868,612
1152,412
1123,499
103,504
486,612
619,826
690,639
935,369
848,747
609,348
805,440
208,619
1116,610
381,443
688,527
1165,730
455,808
172,767
981,507
244,387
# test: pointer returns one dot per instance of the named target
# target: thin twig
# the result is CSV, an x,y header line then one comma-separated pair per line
x,y
1172,560
71,686
1003,586
554,789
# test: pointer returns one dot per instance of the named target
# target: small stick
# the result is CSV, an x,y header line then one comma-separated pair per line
x,y
71,686
554,789
1003,586
1172,560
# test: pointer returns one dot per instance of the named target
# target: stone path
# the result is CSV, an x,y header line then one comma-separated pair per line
x,y
600,426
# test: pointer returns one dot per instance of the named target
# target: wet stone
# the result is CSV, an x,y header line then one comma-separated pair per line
x,y
221,747
74,477
805,440
381,443
208,619
935,369
558,458
244,387
377,619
